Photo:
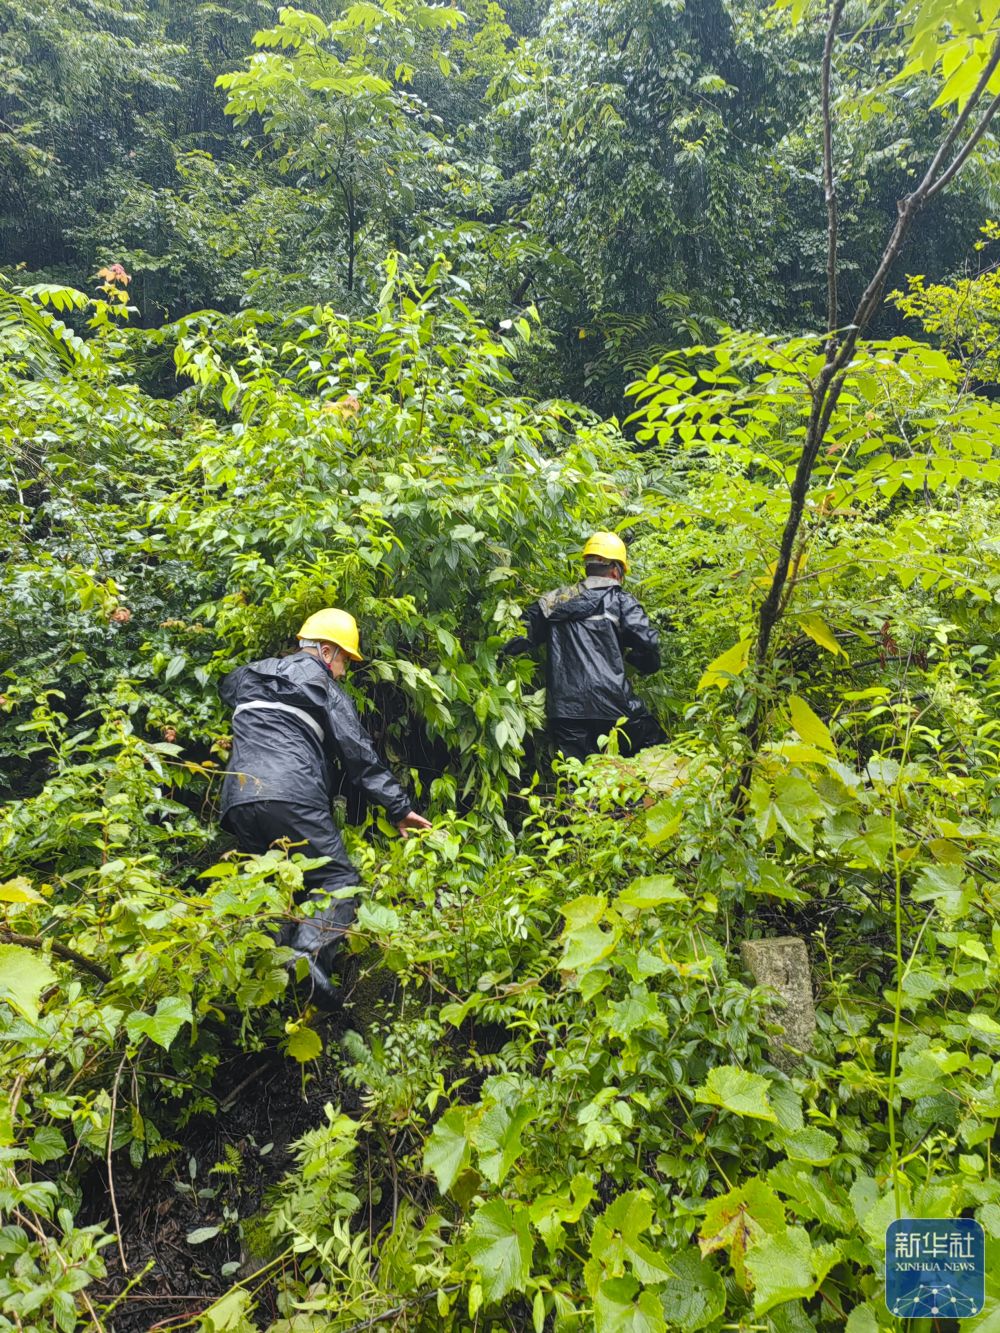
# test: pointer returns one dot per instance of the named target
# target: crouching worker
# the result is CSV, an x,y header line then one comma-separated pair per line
x,y
292,723
590,630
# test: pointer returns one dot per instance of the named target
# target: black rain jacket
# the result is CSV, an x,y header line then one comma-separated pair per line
x,y
591,629
287,751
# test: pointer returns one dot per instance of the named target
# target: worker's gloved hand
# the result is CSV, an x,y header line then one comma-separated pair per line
x,y
514,647
412,823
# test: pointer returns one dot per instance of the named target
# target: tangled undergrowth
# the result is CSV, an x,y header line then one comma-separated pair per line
x,y
553,1098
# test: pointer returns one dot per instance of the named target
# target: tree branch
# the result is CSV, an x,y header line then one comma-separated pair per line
x,y
60,950
829,383
970,143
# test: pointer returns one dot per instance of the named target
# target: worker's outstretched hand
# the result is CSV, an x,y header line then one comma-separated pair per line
x,y
412,823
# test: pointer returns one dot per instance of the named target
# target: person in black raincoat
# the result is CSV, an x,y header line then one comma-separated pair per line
x,y
293,726
590,630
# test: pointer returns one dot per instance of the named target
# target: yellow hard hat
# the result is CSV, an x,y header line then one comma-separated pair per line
x,y
334,626
607,546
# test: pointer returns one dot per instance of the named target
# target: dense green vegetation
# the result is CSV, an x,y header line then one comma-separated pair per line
x,y
387,306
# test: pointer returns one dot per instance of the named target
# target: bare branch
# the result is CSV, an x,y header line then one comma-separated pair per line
x,y
961,120
970,143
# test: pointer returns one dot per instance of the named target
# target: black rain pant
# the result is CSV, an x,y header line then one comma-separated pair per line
x,y
257,825
577,736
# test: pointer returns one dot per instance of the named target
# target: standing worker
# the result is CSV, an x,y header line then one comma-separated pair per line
x,y
291,723
590,629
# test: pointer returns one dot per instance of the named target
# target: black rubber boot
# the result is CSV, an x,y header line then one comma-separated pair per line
x,y
315,988
317,939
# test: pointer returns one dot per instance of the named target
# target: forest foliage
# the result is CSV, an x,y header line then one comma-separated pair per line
x,y
391,318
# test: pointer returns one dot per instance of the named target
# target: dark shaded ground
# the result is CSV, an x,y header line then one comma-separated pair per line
x,y
227,1162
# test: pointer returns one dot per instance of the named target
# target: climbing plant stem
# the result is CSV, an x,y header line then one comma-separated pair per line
x,y
897,874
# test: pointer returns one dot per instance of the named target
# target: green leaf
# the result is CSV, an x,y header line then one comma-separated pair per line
x,y
549,1212
651,891
24,975
174,667
695,1294
499,1244
726,666
662,822
862,1319
784,1267
163,1025
811,1196
587,947
587,910
201,1234
738,1091
447,1150
640,1009
617,1309
498,1139
943,885
19,890
47,1144
739,1219
304,1044
773,882
617,1238
819,631
228,1314
811,1145
811,728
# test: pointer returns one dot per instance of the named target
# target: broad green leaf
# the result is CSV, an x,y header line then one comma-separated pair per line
x,y
811,728
47,1144
587,910
662,822
620,1307
304,1044
19,890
812,1198
550,1212
862,1319
651,891
773,882
24,975
945,886
499,1244
163,1025
811,1145
617,1240
819,631
447,1150
640,1010
586,947
731,663
740,1219
694,1295
798,806
498,1139
781,1268
228,1314
738,1091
